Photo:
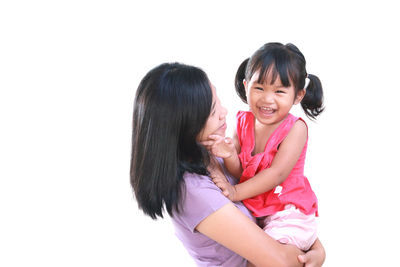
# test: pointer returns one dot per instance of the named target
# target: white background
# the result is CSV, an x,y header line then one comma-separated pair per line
x,y
68,74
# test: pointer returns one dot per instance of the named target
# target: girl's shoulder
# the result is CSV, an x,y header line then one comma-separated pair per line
x,y
299,129
295,130
298,124
292,126
244,119
292,120
244,114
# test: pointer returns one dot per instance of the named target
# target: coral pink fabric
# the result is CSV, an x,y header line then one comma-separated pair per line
x,y
294,190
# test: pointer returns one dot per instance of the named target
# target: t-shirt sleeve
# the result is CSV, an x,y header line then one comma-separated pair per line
x,y
200,199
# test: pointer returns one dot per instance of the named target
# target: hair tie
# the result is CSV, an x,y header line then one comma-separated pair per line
x,y
307,82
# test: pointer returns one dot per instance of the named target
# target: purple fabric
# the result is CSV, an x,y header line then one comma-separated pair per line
x,y
202,198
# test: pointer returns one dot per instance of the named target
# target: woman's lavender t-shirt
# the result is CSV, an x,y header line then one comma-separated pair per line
x,y
202,197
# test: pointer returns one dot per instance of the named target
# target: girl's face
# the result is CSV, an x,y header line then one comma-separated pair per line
x,y
216,122
270,103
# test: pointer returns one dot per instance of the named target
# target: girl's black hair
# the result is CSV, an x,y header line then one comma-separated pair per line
x,y
289,63
172,105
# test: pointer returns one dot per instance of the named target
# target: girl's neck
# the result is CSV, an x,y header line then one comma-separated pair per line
x,y
267,128
262,133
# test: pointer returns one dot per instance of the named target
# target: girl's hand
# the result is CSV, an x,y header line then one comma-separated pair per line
x,y
228,190
222,147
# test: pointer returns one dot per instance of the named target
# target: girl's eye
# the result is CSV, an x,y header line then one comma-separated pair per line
x,y
259,88
280,92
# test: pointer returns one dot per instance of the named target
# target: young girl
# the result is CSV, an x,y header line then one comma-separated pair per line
x,y
269,148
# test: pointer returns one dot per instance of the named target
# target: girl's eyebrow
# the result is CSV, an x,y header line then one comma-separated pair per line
x,y
277,86
213,106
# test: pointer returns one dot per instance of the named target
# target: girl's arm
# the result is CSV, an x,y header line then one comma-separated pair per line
x,y
284,161
228,149
232,229
233,164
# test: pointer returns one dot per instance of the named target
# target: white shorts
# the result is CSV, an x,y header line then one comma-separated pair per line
x,y
291,226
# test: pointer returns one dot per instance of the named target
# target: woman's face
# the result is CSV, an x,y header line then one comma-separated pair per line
x,y
216,122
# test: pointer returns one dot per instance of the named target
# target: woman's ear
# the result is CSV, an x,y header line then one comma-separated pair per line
x,y
300,95
245,84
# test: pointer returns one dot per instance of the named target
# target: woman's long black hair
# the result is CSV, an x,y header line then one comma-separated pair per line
x,y
289,63
172,105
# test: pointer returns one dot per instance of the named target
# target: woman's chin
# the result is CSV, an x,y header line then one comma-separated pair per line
x,y
220,133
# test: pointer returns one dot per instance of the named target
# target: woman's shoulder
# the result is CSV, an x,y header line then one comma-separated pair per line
x,y
194,180
197,180
200,187
200,191
200,197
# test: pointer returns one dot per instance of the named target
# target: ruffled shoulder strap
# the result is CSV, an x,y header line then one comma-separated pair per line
x,y
245,133
245,129
280,133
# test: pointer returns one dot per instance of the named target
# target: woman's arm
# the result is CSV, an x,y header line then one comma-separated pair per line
x,y
284,161
232,229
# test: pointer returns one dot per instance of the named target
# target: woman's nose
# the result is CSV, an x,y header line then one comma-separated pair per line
x,y
224,111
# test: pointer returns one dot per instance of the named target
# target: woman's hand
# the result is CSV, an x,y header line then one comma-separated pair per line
x,y
315,257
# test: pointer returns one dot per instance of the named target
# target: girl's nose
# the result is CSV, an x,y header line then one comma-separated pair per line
x,y
268,97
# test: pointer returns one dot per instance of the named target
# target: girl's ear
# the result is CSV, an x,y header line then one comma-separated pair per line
x,y
300,96
245,88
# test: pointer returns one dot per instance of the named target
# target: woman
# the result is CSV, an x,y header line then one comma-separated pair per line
x,y
176,108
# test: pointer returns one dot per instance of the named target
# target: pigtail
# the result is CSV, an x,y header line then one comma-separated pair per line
x,y
312,102
240,76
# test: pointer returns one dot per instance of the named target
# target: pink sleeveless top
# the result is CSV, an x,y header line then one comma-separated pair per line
x,y
294,190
